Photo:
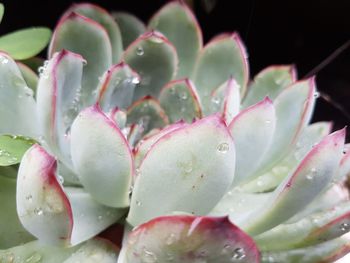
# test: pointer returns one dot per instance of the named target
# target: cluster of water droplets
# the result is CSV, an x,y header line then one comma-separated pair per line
x,y
43,70
10,159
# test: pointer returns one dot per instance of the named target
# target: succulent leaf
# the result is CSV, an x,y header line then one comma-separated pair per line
x,y
16,101
252,130
185,165
177,22
95,250
102,17
344,168
30,77
41,201
310,136
12,148
2,10
36,251
313,229
89,217
294,107
154,58
325,252
12,232
84,36
118,116
334,194
25,43
101,157
58,101
54,215
221,58
238,205
269,82
180,101
130,27
147,113
226,99
189,239
117,87
295,193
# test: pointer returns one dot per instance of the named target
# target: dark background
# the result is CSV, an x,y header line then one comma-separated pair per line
x,y
303,32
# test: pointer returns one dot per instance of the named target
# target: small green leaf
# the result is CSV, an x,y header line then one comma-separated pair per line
x,y
154,58
177,22
2,10
12,148
130,27
148,113
25,43
29,76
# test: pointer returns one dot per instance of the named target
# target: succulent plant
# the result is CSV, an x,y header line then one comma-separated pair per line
x,y
145,132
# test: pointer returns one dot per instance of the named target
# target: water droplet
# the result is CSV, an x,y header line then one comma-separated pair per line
x,y
135,80
99,217
268,121
84,62
29,198
223,147
312,174
171,239
60,179
345,227
183,95
117,81
316,94
35,258
138,203
148,257
259,183
157,40
38,211
140,51
188,167
131,188
309,177
238,253
4,60
215,100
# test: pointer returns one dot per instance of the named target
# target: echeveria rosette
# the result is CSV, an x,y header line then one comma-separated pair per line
x,y
144,127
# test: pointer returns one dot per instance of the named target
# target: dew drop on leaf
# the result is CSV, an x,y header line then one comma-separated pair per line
x,y
140,51
223,147
148,257
344,227
238,254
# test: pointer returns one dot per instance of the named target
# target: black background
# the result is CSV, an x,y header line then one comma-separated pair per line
x,y
302,32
